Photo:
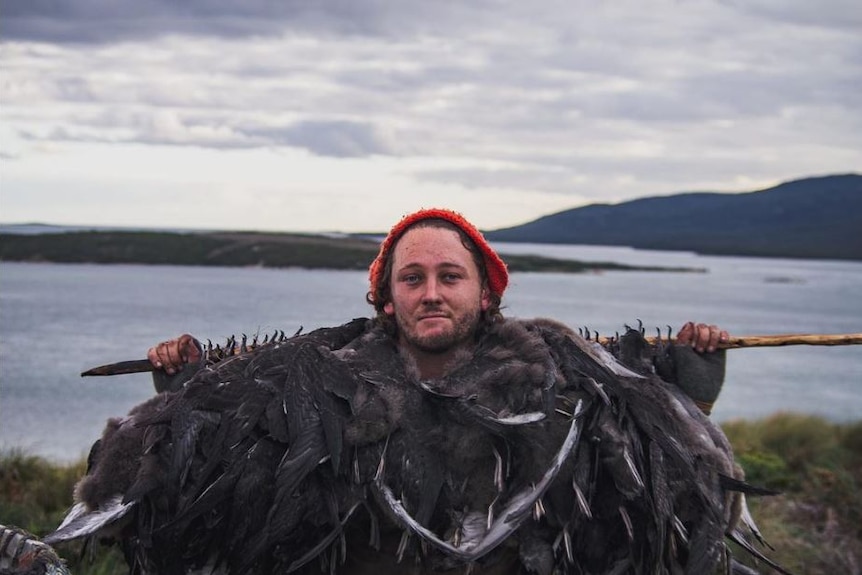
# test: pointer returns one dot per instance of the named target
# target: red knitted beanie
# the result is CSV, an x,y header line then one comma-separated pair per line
x,y
495,268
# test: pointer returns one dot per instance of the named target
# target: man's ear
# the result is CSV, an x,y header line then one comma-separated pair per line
x,y
485,300
388,308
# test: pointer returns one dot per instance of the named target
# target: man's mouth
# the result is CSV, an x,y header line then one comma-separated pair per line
x,y
439,315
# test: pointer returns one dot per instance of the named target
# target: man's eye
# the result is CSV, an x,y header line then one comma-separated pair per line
x,y
451,277
410,279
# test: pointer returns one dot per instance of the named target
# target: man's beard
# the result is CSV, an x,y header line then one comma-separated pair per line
x,y
463,330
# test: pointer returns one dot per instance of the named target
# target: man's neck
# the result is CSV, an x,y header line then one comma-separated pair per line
x,y
434,365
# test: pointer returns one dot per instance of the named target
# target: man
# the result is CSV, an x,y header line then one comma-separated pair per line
x,y
434,284
437,438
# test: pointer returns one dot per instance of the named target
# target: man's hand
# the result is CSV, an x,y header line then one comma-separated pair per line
x,y
174,354
701,337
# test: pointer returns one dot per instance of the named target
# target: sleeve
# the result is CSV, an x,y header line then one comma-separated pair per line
x,y
699,375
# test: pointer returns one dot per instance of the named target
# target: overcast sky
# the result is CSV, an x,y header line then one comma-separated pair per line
x,y
343,115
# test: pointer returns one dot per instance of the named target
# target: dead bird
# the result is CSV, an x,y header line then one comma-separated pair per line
x,y
538,452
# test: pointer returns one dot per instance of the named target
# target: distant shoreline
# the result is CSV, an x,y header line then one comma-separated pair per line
x,y
244,249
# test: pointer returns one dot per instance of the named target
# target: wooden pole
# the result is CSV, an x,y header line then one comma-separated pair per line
x,y
120,368
776,340
143,365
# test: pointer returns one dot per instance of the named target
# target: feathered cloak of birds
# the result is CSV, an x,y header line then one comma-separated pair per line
x,y
538,453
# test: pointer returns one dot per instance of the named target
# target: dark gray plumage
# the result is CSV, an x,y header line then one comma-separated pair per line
x,y
539,454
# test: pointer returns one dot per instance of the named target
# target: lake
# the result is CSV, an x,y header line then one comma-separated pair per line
x,y
57,320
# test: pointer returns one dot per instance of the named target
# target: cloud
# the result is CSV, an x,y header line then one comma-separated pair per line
x,y
107,21
845,14
567,100
337,139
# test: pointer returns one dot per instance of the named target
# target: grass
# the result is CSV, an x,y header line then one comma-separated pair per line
x,y
815,526
35,494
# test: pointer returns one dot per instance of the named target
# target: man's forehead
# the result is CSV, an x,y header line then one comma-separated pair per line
x,y
408,264
424,246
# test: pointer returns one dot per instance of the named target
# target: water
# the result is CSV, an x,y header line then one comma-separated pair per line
x,y
57,320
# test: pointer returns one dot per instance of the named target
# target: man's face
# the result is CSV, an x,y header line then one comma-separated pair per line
x,y
437,295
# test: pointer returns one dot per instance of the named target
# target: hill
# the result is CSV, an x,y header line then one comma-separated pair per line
x,y
808,218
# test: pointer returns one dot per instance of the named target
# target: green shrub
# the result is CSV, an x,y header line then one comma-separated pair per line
x,y
815,525
35,495
767,470
802,441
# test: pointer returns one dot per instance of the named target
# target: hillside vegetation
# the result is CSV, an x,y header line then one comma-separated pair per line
x,y
815,526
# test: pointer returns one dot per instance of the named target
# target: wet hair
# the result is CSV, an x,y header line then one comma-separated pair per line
x,y
383,292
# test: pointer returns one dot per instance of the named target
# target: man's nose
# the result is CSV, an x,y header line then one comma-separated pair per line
x,y
431,291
